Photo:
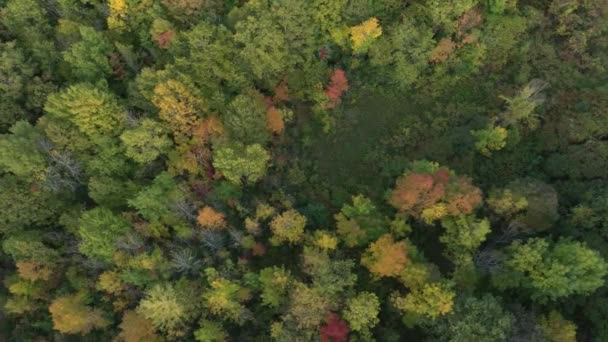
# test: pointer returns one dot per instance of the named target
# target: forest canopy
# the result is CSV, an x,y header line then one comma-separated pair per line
x,y
289,170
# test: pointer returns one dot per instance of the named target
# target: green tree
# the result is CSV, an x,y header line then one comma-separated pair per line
x,y
463,235
241,164
360,223
551,271
99,231
274,283
168,307
475,319
146,142
431,301
245,120
287,227
558,329
490,139
402,52
154,202
88,59
225,297
20,151
95,112
362,311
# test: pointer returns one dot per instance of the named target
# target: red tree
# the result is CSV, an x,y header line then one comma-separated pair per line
x,y
335,330
338,84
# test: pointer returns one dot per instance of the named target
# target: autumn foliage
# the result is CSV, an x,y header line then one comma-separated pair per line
x,y
338,84
274,120
385,257
334,330
210,218
434,195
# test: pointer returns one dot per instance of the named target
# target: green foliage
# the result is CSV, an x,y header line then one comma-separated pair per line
x,y
95,112
287,227
558,329
274,283
20,153
360,223
463,235
166,307
88,59
431,301
146,142
551,271
475,319
210,331
241,164
154,201
99,230
362,311
490,139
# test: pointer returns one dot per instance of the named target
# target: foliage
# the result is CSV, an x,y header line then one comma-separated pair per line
x,y
551,271
72,316
364,34
385,257
479,319
287,227
99,230
557,329
432,301
240,163
362,311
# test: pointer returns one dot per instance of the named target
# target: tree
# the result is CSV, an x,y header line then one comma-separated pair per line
x,y
385,257
338,84
335,330
402,52
429,192
364,34
362,311
307,307
475,319
241,164
490,139
287,227
166,307
558,329
528,204
210,218
431,301
146,142
20,153
136,328
521,107
95,112
89,58
210,331
551,271
360,223
154,202
463,235
71,316
275,283
178,106
263,42
246,118
224,298
99,230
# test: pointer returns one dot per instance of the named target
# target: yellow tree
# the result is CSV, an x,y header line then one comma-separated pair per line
x,y
385,257
71,316
178,106
364,34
